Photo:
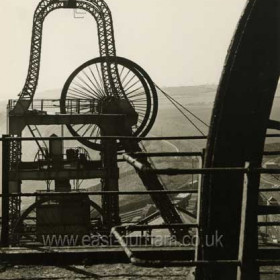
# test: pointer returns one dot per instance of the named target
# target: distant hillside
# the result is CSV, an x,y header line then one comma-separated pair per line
x,y
187,95
203,95
191,90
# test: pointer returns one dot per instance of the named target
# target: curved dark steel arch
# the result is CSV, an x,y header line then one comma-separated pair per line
x,y
102,14
237,135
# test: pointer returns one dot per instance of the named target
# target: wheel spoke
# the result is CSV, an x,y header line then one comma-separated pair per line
x,y
136,94
98,89
89,126
121,71
140,106
83,125
93,130
91,90
138,103
79,91
128,93
80,94
130,80
100,77
140,99
122,81
97,134
133,85
100,85
85,89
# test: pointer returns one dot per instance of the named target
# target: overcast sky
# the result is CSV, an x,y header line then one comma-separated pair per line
x,y
178,42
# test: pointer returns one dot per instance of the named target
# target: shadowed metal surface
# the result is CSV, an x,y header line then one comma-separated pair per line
x,y
237,134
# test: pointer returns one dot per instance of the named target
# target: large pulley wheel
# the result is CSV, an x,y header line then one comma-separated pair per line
x,y
85,87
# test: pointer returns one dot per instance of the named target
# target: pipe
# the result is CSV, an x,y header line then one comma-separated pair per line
x,y
140,262
73,193
167,154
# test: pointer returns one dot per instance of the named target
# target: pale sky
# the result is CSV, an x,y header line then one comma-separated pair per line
x,y
178,42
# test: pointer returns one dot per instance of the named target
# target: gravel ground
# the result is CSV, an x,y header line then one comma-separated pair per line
x,y
107,272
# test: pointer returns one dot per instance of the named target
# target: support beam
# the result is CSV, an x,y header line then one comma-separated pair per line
x,y
269,210
110,203
18,122
248,242
5,192
273,124
43,175
167,154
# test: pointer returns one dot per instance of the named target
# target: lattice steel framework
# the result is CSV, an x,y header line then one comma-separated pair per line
x,y
112,85
111,80
15,201
101,12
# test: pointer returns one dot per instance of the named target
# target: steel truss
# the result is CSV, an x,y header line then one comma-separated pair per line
x,y
102,14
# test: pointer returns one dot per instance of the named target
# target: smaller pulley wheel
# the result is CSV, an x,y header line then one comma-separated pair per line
x,y
85,90
42,219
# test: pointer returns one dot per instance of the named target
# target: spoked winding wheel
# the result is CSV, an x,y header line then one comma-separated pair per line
x,y
87,83
26,228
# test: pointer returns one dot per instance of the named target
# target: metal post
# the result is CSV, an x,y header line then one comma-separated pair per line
x,y
110,203
248,242
199,184
5,192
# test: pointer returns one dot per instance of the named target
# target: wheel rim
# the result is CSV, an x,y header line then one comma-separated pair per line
x,y
25,227
85,85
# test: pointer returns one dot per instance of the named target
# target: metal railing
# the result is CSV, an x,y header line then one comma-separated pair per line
x,y
133,159
72,106
77,152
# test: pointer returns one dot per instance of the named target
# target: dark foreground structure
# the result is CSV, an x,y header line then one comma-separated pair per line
x,y
109,105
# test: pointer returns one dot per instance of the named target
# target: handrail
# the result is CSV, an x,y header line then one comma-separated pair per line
x,y
133,138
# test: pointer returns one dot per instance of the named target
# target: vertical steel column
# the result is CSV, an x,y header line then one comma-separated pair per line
x,y
199,184
248,242
5,192
110,203
14,187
